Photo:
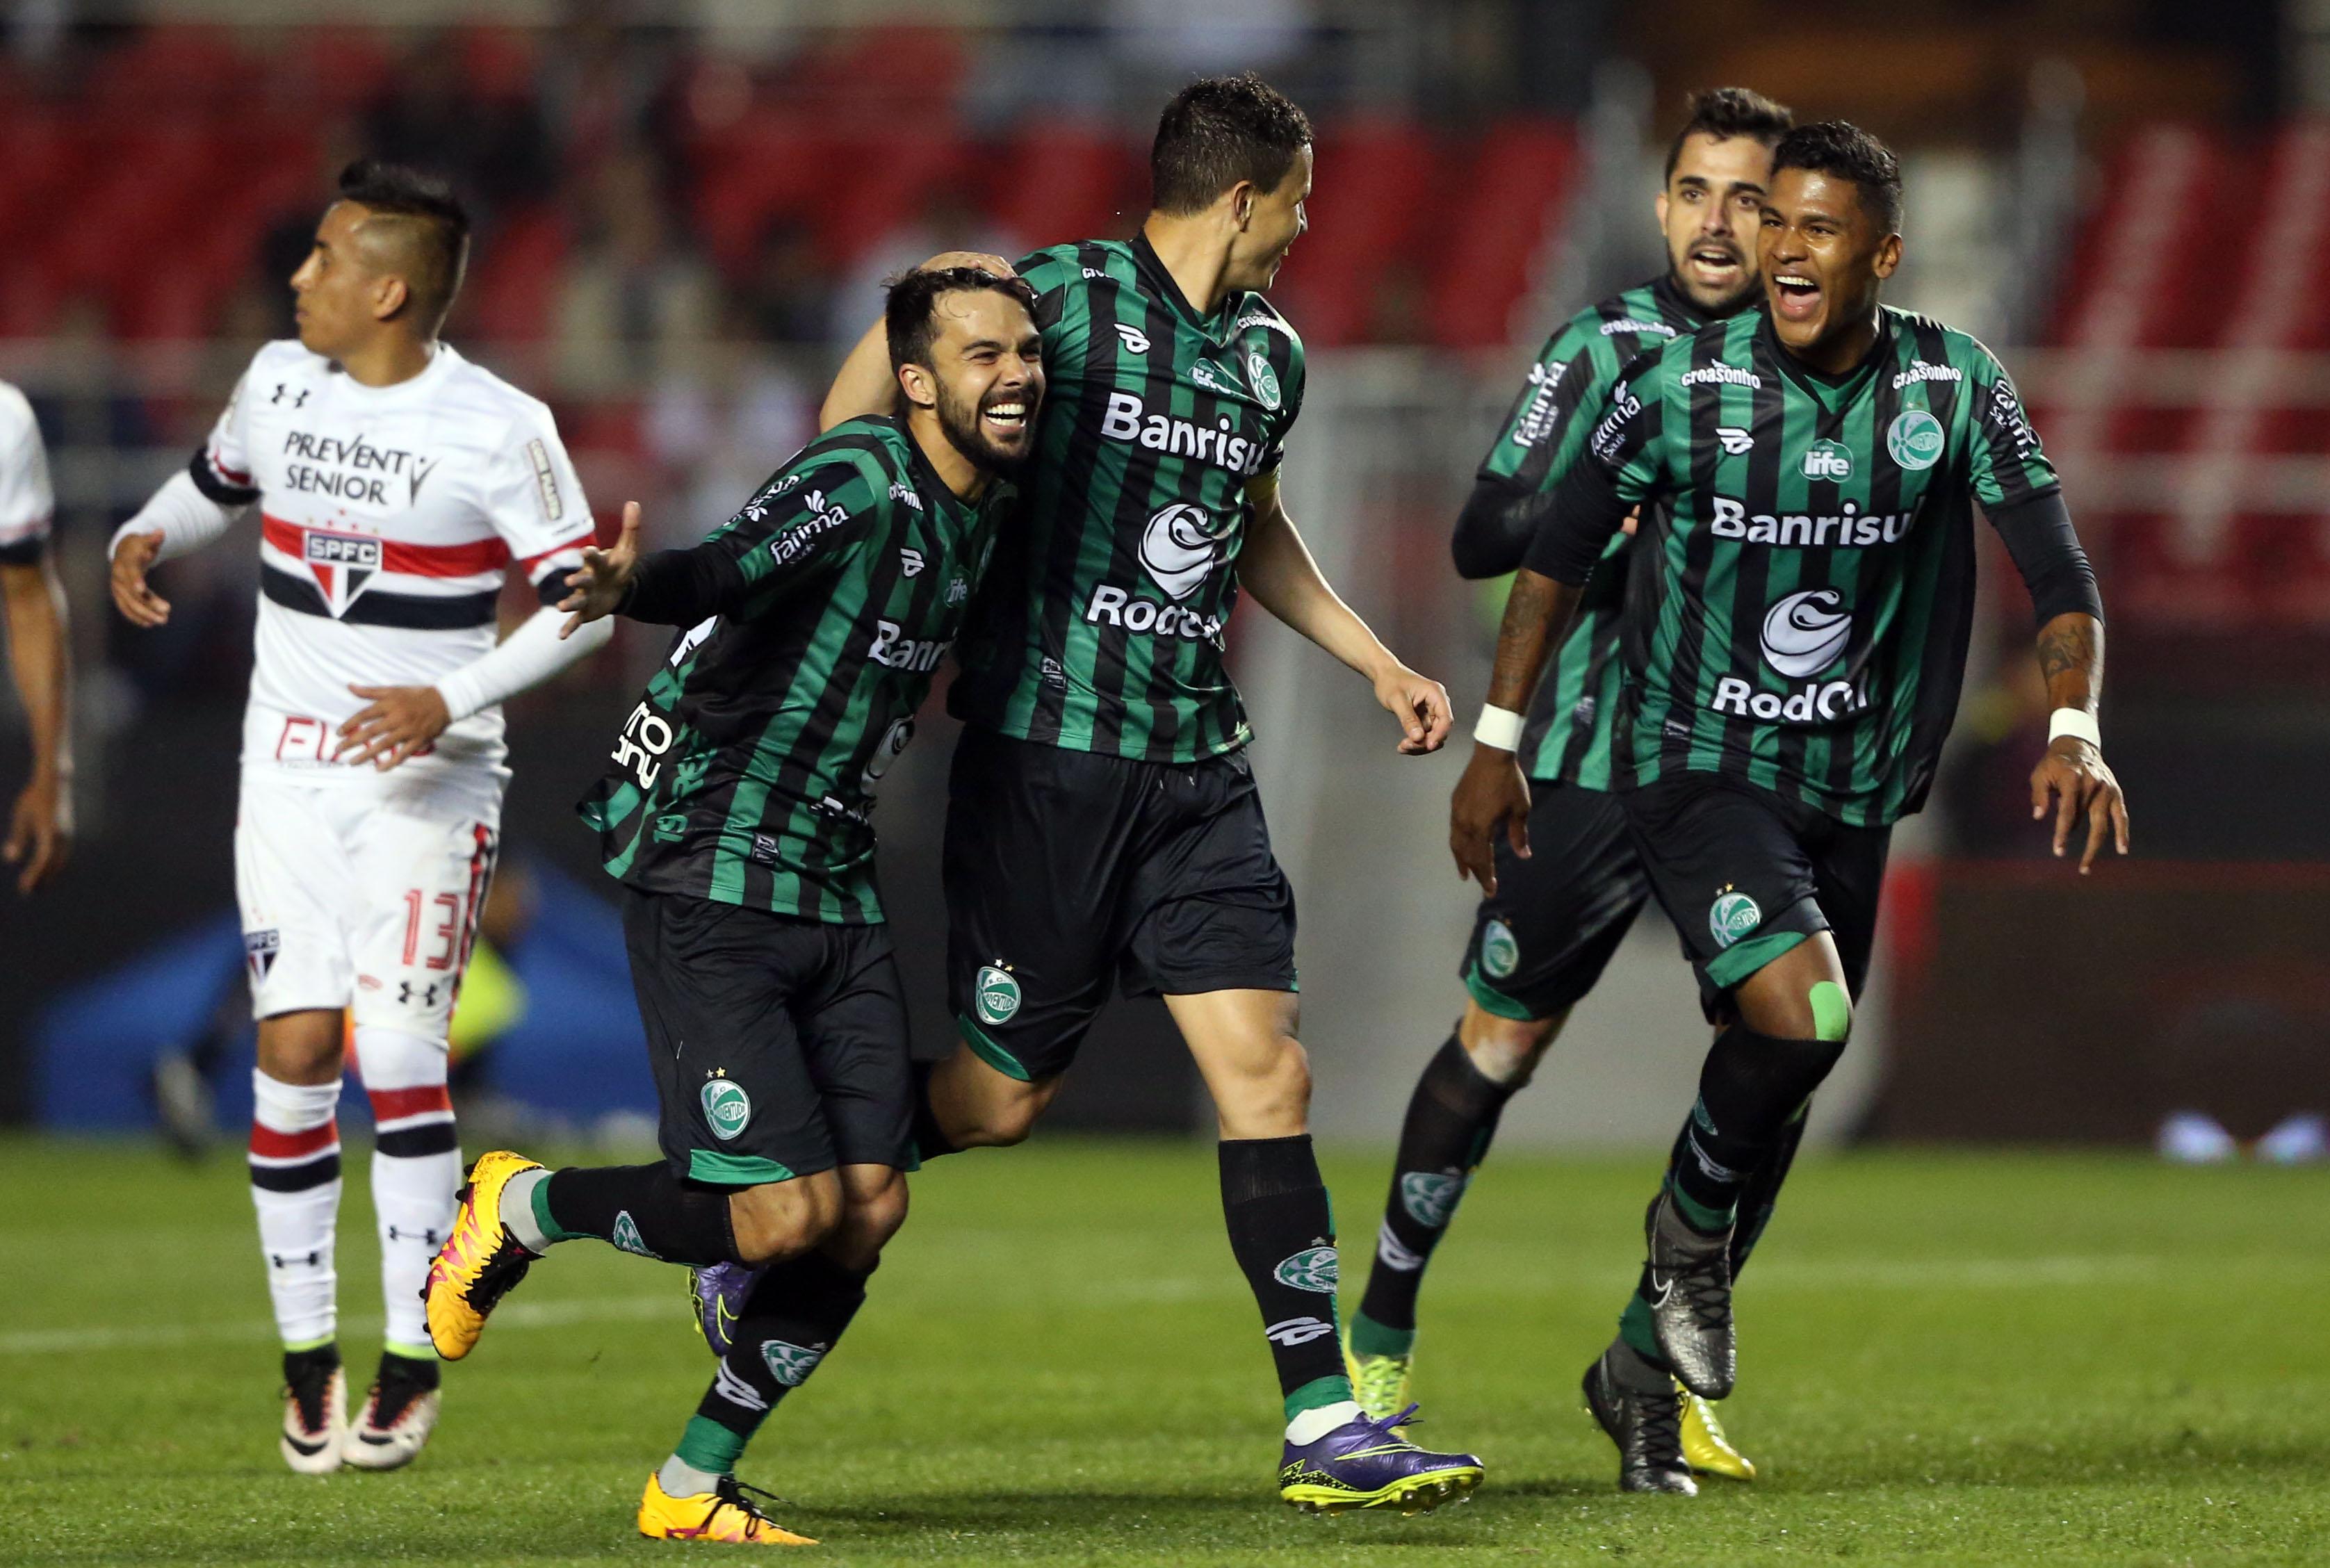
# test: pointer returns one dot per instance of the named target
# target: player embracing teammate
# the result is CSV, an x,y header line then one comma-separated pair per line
x,y
1793,638
397,486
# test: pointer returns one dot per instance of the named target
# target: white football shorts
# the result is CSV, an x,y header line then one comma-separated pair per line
x,y
363,893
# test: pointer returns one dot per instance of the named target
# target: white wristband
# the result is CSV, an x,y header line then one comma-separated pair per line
x,y
1501,728
2076,722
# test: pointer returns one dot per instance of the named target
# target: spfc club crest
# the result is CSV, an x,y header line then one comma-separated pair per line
x,y
341,565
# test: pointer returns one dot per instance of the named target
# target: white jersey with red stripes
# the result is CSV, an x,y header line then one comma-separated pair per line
x,y
391,516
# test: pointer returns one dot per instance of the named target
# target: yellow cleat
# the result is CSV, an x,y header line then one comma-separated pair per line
x,y
722,1514
478,1262
1704,1446
1379,1382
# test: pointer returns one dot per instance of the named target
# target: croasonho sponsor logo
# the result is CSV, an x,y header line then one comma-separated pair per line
x,y
1732,916
995,998
1914,439
1430,1196
1826,459
727,1106
1925,370
1722,375
1638,327
1311,1269
1500,953
790,1364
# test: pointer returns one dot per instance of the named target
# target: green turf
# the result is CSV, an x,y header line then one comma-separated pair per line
x,y
1947,1359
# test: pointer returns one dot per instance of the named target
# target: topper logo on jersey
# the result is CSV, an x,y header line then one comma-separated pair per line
x,y
1128,418
341,565
1804,633
1135,341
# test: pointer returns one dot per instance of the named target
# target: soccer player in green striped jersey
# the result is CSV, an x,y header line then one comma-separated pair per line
x,y
1102,820
1540,943
736,813
1794,638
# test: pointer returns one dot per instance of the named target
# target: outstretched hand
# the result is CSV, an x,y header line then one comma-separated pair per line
x,y
595,588
1422,706
2075,774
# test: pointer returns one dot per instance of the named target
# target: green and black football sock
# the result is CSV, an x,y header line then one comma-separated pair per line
x,y
791,1321
636,1208
1450,1118
1282,1232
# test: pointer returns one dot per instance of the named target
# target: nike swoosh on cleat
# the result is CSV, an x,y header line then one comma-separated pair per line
x,y
1665,1288
305,1448
378,1443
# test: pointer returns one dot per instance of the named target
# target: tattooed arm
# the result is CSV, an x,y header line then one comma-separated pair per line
x,y
2071,657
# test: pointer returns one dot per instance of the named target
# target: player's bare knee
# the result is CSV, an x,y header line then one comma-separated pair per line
x,y
870,1217
1506,1051
781,1220
1267,1096
304,1047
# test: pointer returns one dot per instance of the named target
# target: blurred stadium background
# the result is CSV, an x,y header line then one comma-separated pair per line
x,y
685,209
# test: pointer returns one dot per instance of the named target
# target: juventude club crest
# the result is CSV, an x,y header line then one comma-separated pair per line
x,y
1500,955
1915,438
1732,916
1311,1269
1262,378
727,1106
789,1364
1430,1196
996,996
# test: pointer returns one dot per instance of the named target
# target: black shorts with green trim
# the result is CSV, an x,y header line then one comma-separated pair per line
x,y
1745,875
778,1043
1068,869
1542,940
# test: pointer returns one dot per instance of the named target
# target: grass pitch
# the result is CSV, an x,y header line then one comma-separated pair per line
x,y
1946,1359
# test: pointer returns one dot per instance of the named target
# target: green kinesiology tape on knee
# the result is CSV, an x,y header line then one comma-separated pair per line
x,y
1832,1014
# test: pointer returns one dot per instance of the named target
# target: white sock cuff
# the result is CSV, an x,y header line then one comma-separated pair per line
x,y
281,1107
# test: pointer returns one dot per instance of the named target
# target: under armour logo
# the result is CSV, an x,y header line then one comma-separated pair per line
x,y
298,400
286,1259
430,1237
428,993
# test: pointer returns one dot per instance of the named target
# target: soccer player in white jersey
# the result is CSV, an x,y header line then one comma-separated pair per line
x,y
396,483
38,829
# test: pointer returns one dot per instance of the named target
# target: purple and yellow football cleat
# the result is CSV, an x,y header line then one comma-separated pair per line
x,y
719,1293
1364,1463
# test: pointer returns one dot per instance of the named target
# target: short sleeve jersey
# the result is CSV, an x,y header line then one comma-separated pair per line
x,y
389,518
745,774
27,502
1102,629
1800,613
1567,737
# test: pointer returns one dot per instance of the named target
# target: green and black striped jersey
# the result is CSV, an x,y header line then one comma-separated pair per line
x,y
1102,630
746,772
1798,612
1569,732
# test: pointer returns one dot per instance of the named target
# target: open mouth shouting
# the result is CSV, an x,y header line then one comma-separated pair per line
x,y
1715,267
1795,295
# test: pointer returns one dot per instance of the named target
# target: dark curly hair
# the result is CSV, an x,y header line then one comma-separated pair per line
x,y
907,318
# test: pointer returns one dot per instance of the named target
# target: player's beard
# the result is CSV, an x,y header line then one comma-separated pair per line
x,y
958,419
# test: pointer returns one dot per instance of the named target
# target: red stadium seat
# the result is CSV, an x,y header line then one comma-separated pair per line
x,y
1059,181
